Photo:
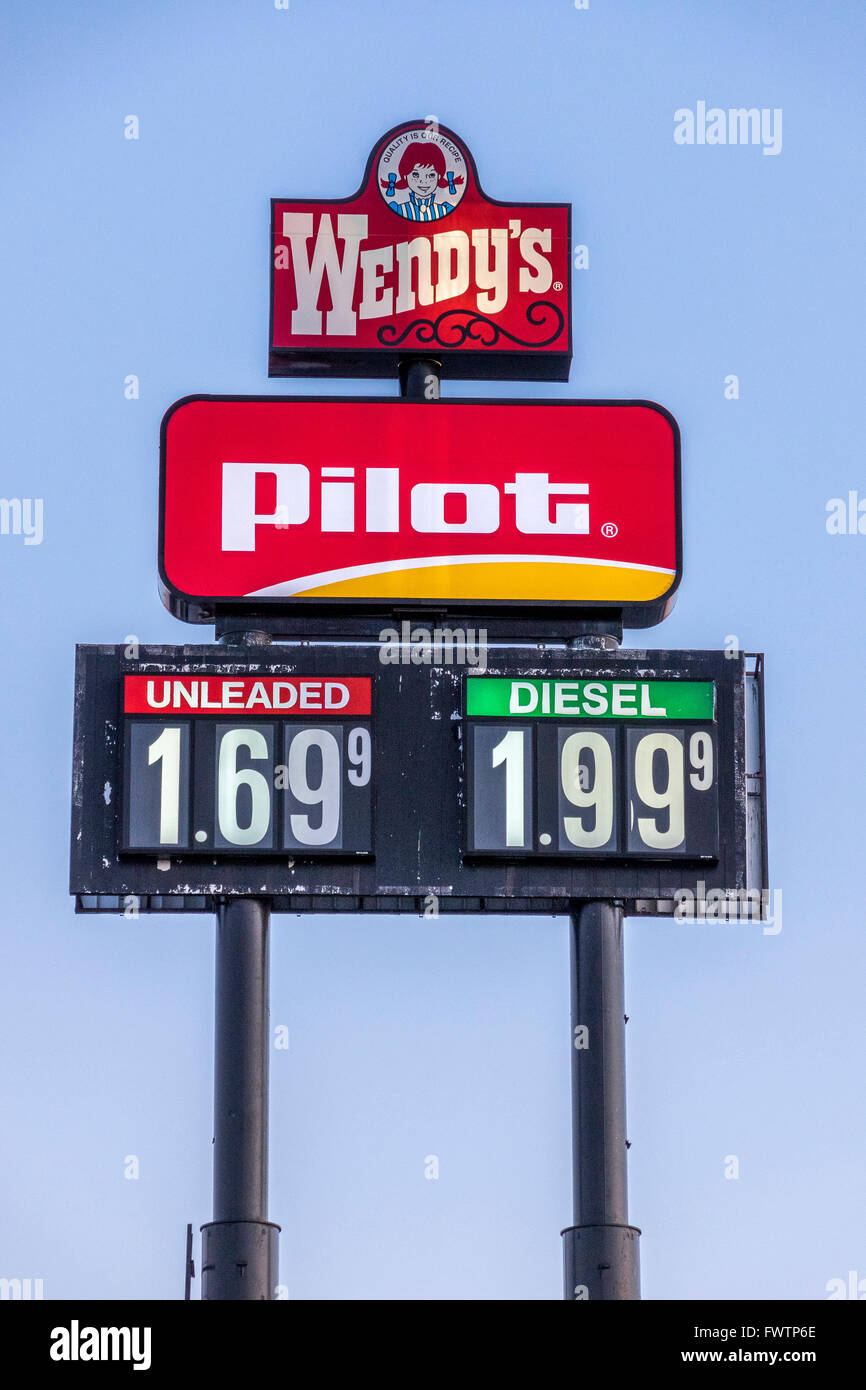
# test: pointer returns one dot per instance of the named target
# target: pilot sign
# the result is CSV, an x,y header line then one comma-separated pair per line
x,y
246,764
592,768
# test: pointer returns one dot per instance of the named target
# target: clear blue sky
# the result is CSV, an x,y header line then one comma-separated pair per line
x,y
449,1037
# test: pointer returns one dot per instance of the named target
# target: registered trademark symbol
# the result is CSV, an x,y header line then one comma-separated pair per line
x,y
557,284
609,528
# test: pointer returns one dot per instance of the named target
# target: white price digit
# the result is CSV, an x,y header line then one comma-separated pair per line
x,y
670,798
359,757
509,750
599,795
701,759
230,777
166,749
325,794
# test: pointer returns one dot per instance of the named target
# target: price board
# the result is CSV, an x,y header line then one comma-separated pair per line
x,y
215,762
597,768
331,779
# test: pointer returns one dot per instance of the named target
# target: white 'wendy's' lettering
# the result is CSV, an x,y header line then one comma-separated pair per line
x,y
394,278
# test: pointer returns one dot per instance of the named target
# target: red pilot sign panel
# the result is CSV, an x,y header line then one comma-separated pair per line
x,y
321,504
420,262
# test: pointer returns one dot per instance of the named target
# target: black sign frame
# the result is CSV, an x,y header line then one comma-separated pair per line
x,y
417,864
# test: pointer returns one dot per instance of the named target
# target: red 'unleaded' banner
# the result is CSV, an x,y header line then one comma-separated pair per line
x,y
259,695
299,502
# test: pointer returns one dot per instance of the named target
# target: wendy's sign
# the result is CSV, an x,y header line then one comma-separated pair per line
x,y
316,505
420,263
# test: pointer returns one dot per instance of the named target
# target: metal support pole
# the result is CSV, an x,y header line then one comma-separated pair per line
x,y
240,1246
239,1252
601,1248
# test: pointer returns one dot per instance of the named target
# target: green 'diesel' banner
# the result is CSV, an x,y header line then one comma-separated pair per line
x,y
502,697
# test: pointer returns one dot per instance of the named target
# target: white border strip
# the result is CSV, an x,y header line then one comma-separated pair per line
x,y
315,581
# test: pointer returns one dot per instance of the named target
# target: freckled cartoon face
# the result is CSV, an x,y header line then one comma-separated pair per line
x,y
422,180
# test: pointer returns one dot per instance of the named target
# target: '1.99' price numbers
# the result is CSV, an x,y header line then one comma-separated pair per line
x,y
641,784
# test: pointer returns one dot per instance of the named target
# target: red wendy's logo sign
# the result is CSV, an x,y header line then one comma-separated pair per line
x,y
420,262
317,504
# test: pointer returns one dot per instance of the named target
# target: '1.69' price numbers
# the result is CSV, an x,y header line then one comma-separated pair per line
x,y
299,781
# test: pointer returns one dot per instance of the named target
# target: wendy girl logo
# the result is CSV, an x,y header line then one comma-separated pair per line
x,y
422,174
